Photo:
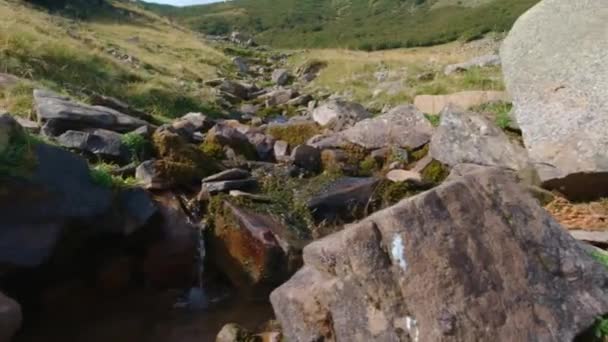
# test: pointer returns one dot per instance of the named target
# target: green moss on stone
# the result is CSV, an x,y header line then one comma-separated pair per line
x,y
294,134
435,172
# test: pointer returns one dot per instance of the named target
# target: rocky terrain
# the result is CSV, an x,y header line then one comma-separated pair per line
x,y
291,208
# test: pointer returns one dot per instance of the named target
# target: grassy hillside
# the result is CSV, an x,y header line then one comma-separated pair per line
x,y
361,24
121,51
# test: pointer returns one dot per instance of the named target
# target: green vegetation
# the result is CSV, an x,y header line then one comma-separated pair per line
x,y
435,172
17,157
101,174
120,51
137,145
433,119
359,24
295,134
601,257
500,112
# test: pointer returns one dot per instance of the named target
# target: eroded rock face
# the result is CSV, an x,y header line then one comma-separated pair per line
x,y
467,137
476,259
61,115
559,89
403,126
253,250
10,318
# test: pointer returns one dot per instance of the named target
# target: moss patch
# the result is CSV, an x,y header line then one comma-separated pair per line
x,y
294,134
435,172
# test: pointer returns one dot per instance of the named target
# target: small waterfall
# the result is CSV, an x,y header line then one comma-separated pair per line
x,y
196,297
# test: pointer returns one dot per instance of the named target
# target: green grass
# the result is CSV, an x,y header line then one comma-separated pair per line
x,y
73,57
433,119
359,24
17,158
500,112
101,174
137,145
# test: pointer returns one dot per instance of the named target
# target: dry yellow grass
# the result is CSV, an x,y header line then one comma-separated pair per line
x,y
586,216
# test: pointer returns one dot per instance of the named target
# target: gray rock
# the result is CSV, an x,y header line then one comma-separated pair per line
x,y
263,145
103,143
139,209
238,90
477,62
230,174
559,89
308,71
68,115
28,125
116,104
338,114
228,185
467,137
279,97
344,200
471,260
403,126
10,318
147,173
301,100
403,176
281,150
280,77
307,157
234,333
192,123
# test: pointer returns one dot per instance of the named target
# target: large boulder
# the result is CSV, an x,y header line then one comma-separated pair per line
x,y
403,126
467,137
61,114
256,252
10,318
100,142
434,104
559,89
338,114
432,268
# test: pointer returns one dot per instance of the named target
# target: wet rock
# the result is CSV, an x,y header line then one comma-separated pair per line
x,y
169,259
307,157
343,200
434,104
403,126
102,143
474,278
467,137
559,89
280,77
228,185
10,318
68,115
338,114
253,250
477,62
230,174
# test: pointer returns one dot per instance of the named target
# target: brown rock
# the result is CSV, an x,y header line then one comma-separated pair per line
x,y
476,259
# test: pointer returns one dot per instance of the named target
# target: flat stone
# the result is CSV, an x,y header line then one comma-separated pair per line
x,y
403,176
231,174
227,185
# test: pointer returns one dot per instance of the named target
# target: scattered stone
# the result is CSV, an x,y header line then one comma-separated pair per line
x,y
343,201
116,104
403,176
477,62
403,126
434,104
279,97
238,90
10,317
308,71
149,176
338,114
559,89
263,145
281,150
225,135
253,250
67,115
301,100
192,123
231,174
307,157
433,268
467,137
251,109
227,185
280,77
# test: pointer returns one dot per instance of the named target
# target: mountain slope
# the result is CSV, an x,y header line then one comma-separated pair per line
x,y
364,24
120,50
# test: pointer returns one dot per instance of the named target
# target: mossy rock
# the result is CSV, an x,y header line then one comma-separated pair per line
x,y
294,133
435,172
241,146
181,162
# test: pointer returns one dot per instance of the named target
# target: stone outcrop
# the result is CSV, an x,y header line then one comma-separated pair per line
x,y
475,259
434,104
559,89
467,137
61,114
